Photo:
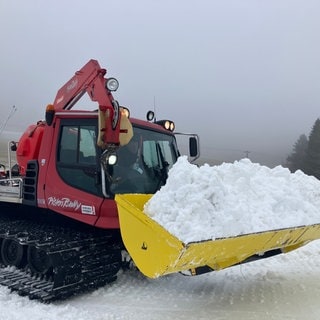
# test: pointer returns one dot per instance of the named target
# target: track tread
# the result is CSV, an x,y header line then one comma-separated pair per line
x,y
82,259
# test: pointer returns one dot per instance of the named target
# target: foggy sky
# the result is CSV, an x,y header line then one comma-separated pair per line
x,y
242,74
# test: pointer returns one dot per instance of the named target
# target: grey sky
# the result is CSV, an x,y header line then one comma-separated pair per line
x,y
242,74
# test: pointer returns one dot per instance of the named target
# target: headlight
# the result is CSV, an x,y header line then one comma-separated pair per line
x,y
112,84
112,159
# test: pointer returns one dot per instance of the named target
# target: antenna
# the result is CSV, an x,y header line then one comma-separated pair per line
x,y
13,110
154,108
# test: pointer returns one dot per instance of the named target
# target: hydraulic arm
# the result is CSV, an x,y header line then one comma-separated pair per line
x,y
90,79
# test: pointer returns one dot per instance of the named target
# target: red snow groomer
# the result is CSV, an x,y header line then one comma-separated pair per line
x,y
74,215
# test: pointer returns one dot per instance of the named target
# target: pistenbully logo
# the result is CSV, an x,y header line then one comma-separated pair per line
x,y
64,203
72,85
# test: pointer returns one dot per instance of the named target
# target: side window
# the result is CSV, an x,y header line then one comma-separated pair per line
x,y
76,157
68,152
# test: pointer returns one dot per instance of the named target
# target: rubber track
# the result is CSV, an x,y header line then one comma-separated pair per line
x,y
82,259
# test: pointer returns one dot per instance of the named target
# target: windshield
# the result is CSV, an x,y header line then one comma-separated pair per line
x,y
143,164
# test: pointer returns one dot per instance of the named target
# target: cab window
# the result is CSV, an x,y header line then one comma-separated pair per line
x,y
76,157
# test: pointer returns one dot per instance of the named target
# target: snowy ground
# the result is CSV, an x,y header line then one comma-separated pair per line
x,y
282,287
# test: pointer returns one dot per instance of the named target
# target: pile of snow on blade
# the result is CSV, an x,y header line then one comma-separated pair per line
x,y
208,202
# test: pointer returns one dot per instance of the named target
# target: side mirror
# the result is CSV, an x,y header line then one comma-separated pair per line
x,y
193,147
193,152
13,146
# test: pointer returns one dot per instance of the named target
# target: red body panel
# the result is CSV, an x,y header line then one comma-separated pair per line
x,y
29,145
57,195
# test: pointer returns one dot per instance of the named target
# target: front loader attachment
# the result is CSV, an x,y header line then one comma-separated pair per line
x,y
157,252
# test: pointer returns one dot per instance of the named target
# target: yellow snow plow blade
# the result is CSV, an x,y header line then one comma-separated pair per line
x,y
157,252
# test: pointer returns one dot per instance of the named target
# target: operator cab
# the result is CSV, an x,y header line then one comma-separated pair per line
x,y
142,165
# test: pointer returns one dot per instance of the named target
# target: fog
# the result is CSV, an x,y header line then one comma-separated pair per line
x,y
244,75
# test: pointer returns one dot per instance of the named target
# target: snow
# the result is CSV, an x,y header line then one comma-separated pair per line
x,y
282,287
279,288
208,202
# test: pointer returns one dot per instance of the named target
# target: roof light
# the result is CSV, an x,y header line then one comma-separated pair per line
x,y
172,126
167,124
112,84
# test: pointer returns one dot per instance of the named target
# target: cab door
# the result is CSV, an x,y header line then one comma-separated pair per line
x,y
73,185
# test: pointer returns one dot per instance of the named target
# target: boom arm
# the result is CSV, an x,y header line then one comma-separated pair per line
x,y
91,79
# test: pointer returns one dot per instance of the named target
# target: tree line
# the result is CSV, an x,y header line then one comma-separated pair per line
x,y
305,154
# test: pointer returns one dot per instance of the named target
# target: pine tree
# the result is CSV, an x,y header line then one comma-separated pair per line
x,y
312,162
296,160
